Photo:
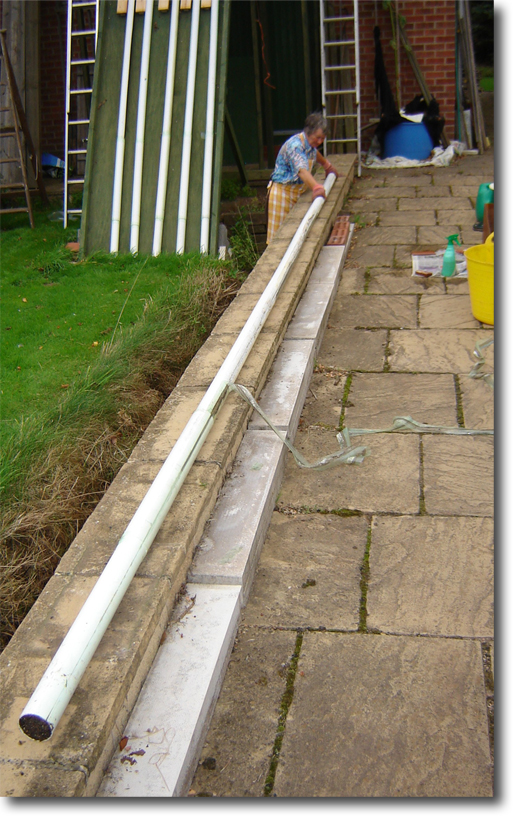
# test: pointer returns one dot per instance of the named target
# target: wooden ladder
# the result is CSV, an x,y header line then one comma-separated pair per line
x,y
14,131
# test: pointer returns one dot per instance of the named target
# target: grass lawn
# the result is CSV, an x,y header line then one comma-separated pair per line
x,y
58,313
90,350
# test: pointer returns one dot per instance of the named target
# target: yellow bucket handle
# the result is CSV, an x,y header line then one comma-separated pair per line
x,y
489,239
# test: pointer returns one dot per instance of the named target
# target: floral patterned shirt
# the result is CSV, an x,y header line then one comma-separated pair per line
x,y
295,154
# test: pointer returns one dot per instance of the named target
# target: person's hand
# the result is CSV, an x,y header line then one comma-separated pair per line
x,y
318,190
330,169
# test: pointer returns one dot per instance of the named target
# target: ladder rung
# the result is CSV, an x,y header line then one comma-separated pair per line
x,y
78,151
8,133
338,67
9,185
75,181
341,91
81,3
78,122
74,211
83,33
336,19
14,210
349,139
10,159
81,91
340,43
340,116
90,61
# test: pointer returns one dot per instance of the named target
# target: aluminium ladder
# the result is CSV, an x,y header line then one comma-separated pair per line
x,y
81,55
340,76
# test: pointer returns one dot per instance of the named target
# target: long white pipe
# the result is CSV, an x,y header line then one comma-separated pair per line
x,y
141,124
120,141
187,130
165,143
55,689
209,129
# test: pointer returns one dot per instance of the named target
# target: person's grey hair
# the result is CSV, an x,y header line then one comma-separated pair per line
x,y
315,121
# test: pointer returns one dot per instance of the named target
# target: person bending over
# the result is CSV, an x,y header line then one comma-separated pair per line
x,y
292,174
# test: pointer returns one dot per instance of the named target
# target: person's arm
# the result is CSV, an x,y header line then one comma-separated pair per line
x,y
328,167
317,189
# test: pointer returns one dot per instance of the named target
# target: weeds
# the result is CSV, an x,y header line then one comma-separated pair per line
x,y
61,448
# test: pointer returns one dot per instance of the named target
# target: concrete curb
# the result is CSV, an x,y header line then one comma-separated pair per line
x,y
179,695
72,762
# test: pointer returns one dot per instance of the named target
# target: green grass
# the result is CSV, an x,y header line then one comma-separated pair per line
x,y
90,351
58,313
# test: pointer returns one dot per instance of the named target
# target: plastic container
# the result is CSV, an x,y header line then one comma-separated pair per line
x,y
449,260
480,280
485,195
408,139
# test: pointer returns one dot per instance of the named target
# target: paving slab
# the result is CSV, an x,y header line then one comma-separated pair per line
x,y
457,203
446,311
437,190
458,475
477,398
438,235
237,752
386,481
404,218
403,253
376,398
382,716
415,177
390,280
158,759
373,255
362,205
348,349
309,572
228,549
353,280
372,311
465,217
434,351
396,235
414,562
323,404
384,192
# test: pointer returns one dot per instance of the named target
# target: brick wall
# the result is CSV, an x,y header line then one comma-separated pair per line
x,y
430,26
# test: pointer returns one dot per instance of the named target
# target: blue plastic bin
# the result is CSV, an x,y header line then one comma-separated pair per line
x,y
408,139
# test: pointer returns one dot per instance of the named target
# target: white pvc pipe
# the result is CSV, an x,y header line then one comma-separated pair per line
x,y
120,141
55,689
209,129
165,143
187,130
141,124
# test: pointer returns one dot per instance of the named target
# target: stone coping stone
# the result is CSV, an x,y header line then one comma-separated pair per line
x,y
72,761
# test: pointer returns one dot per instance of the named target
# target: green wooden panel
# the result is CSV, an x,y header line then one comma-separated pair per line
x,y
96,222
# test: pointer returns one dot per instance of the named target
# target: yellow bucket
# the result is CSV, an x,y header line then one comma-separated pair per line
x,y
480,280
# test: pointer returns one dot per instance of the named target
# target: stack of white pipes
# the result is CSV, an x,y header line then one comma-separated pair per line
x,y
166,130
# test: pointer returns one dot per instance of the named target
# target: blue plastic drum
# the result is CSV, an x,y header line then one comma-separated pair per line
x,y
408,139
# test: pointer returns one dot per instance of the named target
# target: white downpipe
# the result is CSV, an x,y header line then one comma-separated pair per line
x,y
139,134
187,130
120,141
55,689
209,129
165,143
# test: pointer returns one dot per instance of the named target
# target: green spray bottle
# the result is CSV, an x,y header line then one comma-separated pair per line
x,y
449,261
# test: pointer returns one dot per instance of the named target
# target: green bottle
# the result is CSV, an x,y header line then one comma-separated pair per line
x,y
449,262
